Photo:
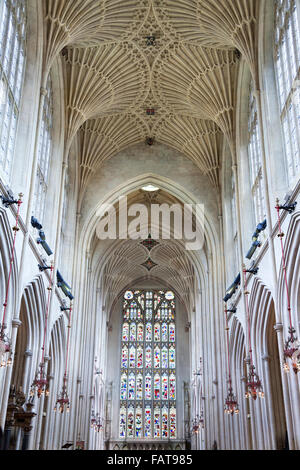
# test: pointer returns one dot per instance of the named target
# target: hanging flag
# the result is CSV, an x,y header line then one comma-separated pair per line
x,y
64,286
255,242
42,241
231,290
35,223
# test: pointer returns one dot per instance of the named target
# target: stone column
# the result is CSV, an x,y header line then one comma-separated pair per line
x,y
269,418
9,424
246,417
28,355
251,414
40,411
90,438
287,405
49,415
27,416
15,325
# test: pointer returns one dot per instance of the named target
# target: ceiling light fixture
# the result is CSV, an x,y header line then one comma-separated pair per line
x,y
150,188
231,406
254,386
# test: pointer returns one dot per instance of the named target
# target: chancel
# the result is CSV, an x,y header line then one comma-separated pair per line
x,y
111,111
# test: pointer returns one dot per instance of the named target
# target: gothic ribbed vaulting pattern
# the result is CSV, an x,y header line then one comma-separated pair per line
x,y
99,89
212,23
91,22
179,57
123,267
122,58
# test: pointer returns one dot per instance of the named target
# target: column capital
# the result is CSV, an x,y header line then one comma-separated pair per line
x,y
16,323
43,91
266,357
28,353
278,327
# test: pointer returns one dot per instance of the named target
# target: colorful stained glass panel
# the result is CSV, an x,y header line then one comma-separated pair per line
x,y
156,387
139,362
148,389
148,386
164,388
164,332
148,421
140,332
157,332
148,332
164,422
125,333
164,358
132,332
172,332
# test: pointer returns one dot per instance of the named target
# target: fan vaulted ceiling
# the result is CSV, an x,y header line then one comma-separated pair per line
x,y
160,69
179,58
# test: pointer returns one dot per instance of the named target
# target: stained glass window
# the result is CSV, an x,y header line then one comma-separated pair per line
x,y
12,68
123,421
125,332
148,366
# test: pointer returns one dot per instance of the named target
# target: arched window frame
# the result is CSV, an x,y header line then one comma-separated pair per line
x,y
44,154
13,25
255,158
158,377
233,207
287,71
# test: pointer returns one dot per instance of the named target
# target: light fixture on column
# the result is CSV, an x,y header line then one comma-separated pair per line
x,y
63,401
40,384
96,422
197,424
231,406
93,420
5,341
291,350
253,384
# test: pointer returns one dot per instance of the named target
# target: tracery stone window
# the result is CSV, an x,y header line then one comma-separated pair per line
x,y
234,222
287,66
255,158
148,366
12,68
44,154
